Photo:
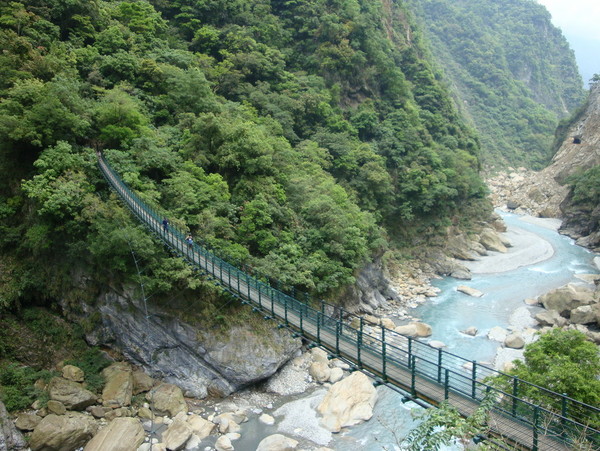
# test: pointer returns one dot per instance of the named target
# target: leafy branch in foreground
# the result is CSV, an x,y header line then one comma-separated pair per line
x,y
444,426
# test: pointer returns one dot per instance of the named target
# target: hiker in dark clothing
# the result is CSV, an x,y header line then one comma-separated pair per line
x,y
165,224
189,240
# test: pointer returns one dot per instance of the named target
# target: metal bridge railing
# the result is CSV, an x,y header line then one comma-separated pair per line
x,y
426,372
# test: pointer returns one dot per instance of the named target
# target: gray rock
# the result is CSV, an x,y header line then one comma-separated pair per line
x,y
73,373
224,444
472,331
10,438
566,298
277,442
514,341
70,393
62,432
490,239
583,315
550,318
177,434
56,407
348,403
27,421
142,382
469,291
118,388
121,434
167,399
196,360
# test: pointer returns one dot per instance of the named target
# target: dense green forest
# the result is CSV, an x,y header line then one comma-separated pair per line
x,y
299,137
512,72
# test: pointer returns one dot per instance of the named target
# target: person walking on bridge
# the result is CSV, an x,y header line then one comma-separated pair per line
x,y
189,240
165,224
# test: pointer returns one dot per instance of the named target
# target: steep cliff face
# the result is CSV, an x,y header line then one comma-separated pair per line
x,y
201,361
579,156
567,188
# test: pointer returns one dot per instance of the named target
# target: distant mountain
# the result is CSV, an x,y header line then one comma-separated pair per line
x,y
512,72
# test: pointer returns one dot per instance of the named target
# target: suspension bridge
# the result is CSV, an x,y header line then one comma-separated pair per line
x,y
422,373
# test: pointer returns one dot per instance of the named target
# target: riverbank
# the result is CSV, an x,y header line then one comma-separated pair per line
x,y
528,248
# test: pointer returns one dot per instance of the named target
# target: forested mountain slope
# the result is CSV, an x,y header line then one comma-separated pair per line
x,y
300,137
511,70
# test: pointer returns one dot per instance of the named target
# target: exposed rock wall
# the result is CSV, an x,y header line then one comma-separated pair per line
x,y
200,361
545,193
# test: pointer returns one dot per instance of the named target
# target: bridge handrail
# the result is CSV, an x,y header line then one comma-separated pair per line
x,y
423,360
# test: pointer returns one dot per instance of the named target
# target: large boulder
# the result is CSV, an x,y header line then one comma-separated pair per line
x,y
320,371
141,382
73,373
550,318
177,434
62,432
201,427
10,438
167,399
121,434
118,388
410,330
490,239
71,394
567,298
583,315
514,341
27,421
414,329
223,443
348,402
277,442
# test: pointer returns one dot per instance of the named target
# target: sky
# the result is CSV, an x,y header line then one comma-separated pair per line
x,y
579,21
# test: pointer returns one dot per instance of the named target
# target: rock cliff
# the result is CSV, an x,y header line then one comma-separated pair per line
x,y
546,193
198,360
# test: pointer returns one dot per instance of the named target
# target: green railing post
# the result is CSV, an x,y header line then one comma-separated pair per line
x,y
413,376
337,337
319,314
301,320
536,420
515,394
446,383
383,355
563,413
259,297
285,307
248,286
341,320
474,380
409,351
359,340
439,365
272,302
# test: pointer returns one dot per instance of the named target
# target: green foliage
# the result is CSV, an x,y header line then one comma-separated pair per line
x,y
16,385
562,361
512,72
297,137
444,426
586,187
